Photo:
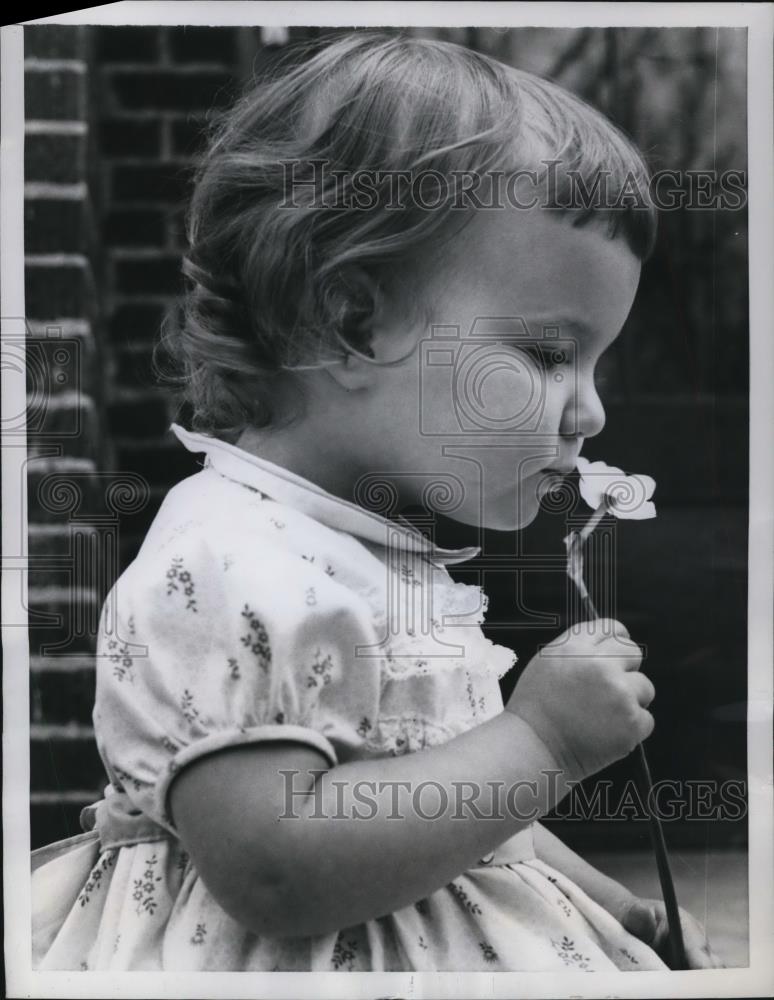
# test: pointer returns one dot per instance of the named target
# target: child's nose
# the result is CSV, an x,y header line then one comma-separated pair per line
x,y
584,414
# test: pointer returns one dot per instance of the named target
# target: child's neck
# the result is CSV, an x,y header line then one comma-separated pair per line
x,y
299,451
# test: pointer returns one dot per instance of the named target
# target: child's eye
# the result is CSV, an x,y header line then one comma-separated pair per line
x,y
547,356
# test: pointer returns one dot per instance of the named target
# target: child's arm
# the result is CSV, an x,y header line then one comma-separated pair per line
x,y
610,894
323,869
326,869
644,918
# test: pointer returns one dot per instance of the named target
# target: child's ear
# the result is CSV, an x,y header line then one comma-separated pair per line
x,y
362,320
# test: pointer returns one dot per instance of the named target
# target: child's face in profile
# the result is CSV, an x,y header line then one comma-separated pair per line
x,y
473,409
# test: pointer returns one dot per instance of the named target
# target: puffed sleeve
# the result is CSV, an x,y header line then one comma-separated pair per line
x,y
198,651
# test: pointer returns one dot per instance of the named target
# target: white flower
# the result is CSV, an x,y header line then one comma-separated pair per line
x,y
627,497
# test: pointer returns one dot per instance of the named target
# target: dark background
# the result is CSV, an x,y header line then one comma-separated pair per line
x,y
113,123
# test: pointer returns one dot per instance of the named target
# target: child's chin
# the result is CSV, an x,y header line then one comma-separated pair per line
x,y
512,516
507,520
505,515
515,522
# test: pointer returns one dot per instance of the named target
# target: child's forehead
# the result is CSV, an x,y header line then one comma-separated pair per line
x,y
537,266
522,246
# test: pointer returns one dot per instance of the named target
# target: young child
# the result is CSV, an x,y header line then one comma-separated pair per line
x,y
311,767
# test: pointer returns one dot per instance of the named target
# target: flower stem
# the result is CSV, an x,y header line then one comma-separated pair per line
x,y
675,928
575,542
594,520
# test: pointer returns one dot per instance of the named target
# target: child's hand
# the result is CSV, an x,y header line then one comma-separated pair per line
x,y
646,919
584,697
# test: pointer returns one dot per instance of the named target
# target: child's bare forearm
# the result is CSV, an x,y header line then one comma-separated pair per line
x,y
344,869
603,890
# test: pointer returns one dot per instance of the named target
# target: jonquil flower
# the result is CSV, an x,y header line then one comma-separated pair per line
x,y
607,490
626,497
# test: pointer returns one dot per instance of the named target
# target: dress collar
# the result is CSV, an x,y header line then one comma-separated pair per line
x,y
286,487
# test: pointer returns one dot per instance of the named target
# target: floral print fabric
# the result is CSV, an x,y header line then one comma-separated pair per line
x,y
246,618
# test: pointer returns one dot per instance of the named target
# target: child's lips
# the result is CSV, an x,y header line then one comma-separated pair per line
x,y
558,470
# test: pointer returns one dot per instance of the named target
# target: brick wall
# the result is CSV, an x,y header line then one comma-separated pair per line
x,y
113,116
67,445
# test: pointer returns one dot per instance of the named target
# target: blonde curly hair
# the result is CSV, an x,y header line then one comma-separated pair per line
x,y
271,285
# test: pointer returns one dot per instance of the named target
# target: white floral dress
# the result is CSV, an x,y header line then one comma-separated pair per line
x,y
261,608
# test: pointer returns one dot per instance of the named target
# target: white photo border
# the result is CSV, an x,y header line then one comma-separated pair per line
x,y
758,979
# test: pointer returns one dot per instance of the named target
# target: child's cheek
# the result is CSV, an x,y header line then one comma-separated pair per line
x,y
499,392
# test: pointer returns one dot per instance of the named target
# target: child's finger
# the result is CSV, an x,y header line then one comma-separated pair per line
x,y
646,725
700,959
608,628
641,921
630,653
644,690
715,961
697,949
